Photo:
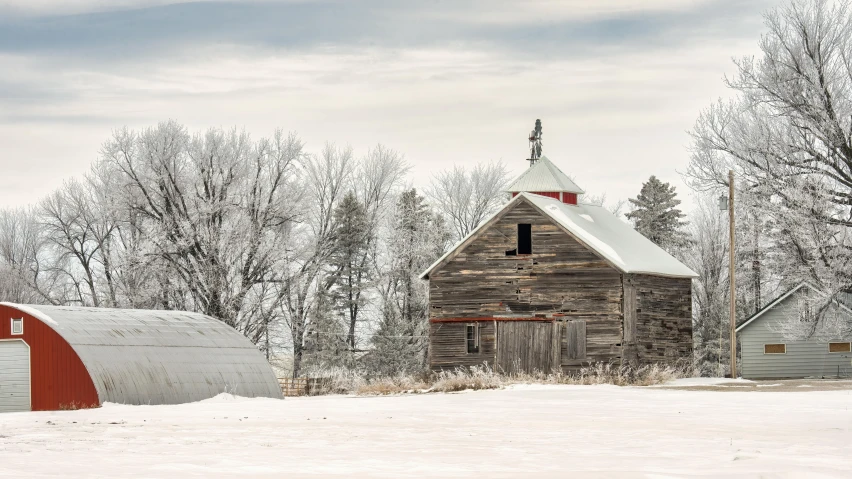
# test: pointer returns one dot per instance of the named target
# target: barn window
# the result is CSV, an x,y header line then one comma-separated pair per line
x,y
839,347
524,239
473,338
18,326
774,349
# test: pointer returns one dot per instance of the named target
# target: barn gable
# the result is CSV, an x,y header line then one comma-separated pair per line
x,y
486,276
562,278
593,226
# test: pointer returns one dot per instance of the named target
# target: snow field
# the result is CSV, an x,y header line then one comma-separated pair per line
x,y
540,430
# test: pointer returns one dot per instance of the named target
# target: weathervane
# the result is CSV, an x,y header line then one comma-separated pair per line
x,y
535,143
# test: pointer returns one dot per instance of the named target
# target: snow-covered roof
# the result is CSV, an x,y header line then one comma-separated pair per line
x,y
137,356
614,240
544,176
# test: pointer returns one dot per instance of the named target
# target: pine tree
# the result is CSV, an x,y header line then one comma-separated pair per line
x,y
325,342
350,271
656,216
419,237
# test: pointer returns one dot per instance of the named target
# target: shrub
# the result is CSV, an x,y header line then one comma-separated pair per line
x,y
348,381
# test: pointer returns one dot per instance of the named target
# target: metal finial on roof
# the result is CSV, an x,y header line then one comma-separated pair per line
x,y
535,143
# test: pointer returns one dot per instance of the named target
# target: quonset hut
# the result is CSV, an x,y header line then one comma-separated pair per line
x,y
547,284
59,357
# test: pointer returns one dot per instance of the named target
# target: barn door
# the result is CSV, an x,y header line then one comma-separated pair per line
x,y
573,342
14,376
525,346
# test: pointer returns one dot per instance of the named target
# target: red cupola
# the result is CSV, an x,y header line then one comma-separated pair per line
x,y
543,177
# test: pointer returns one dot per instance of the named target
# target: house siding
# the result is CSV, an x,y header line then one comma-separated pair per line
x,y
808,358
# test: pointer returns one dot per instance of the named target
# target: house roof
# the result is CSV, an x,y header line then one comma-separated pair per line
x,y
544,176
841,297
595,227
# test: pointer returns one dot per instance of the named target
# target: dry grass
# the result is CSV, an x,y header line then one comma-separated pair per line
x,y
74,405
605,373
392,385
342,381
474,378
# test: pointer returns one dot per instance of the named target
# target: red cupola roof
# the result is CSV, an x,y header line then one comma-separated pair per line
x,y
544,178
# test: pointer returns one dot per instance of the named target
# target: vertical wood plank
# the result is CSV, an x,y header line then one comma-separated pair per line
x,y
630,350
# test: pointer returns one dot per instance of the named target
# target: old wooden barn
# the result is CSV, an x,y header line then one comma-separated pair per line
x,y
548,284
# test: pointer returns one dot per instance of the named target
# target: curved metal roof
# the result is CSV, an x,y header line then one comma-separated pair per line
x,y
159,357
544,176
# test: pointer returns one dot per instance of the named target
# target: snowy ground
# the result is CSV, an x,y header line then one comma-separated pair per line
x,y
549,431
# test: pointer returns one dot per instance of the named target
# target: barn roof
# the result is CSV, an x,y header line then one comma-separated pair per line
x,y
595,227
159,357
544,176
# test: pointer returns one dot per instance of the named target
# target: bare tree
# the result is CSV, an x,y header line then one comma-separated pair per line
x,y
216,207
312,244
31,275
707,255
465,197
788,136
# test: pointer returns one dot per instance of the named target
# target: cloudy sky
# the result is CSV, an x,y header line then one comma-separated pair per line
x,y
616,83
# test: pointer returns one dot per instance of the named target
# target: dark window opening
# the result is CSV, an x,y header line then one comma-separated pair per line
x,y
472,338
524,239
512,252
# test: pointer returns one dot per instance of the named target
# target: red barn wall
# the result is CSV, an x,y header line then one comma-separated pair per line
x,y
549,194
58,378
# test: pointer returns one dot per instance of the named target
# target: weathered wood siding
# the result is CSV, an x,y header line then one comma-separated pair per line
x,y
560,277
573,344
527,346
663,318
448,345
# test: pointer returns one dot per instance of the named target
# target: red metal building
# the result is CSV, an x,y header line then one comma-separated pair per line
x,y
62,357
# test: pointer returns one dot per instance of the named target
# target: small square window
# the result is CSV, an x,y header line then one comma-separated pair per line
x,y
774,349
18,326
839,347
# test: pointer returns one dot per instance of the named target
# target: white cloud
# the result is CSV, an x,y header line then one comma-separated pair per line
x,y
611,118
65,7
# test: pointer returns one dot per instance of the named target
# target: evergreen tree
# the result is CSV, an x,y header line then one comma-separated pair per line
x,y
325,342
419,237
656,216
351,271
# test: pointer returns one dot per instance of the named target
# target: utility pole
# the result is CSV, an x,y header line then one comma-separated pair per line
x,y
731,271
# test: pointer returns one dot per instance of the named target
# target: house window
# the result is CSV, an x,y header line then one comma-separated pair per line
x,y
18,326
774,349
472,338
839,347
524,239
